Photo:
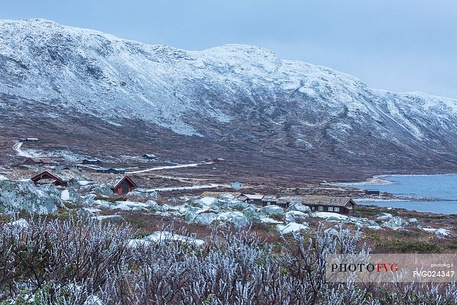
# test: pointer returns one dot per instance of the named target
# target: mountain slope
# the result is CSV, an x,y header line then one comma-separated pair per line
x,y
227,97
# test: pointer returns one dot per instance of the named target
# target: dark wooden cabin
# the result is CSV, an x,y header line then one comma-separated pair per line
x,y
341,205
124,186
111,170
48,178
33,161
91,161
149,156
28,140
372,192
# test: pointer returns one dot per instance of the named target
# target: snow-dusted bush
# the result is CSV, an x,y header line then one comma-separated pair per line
x,y
89,263
49,258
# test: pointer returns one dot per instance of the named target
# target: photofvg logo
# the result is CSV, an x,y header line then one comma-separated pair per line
x,y
391,268
361,267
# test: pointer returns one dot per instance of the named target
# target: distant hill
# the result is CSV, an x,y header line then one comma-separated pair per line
x,y
90,91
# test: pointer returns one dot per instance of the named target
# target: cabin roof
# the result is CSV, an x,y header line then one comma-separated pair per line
x,y
116,185
149,155
328,201
269,198
47,175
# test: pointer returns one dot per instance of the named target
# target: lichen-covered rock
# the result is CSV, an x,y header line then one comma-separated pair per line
x,y
155,206
251,214
69,194
395,223
295,216
88,212
25,196
21,222
88,200
298,206
204,218
384,216
292,227
413,222
271,210
204,202
102,190
110,218
140,192
236,218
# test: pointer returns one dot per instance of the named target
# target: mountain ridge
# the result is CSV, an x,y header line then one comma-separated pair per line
x,y
237,94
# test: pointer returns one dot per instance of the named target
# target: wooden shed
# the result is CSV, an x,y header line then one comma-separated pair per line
x,y
124,185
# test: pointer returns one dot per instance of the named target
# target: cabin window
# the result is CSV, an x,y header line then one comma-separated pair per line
x,y
330,209
320,208
337,209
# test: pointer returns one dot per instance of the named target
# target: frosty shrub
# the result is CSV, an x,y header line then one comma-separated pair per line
x,y
71,258
89,263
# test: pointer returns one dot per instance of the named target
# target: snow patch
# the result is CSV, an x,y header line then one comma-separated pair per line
x,y
291,227
165,236
65,195
19,223
438,232
330,216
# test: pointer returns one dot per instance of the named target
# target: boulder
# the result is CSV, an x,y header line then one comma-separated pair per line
x,y
25,196
296,216
88,200
298,206
251,213
88,212
395,223
205,202
271,210
144,193
292,227
69,194
236,218
110,218
383,216
21,222
205,218
413,222
102,190
269,220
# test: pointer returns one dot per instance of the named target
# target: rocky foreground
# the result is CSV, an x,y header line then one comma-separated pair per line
x,y
223,211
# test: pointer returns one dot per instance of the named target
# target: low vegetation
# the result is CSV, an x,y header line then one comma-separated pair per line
x,y
77,261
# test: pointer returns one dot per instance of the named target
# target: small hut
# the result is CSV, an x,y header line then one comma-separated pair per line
x,y
124,186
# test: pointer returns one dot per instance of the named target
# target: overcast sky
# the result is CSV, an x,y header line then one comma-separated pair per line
x,y
396,45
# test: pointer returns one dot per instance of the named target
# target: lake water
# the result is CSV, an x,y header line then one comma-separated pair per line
x,y
421,186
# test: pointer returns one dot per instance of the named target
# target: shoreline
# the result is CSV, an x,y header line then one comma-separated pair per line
x,y
427,196
380,179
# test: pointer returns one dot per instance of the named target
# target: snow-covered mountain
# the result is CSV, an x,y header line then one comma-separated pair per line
x,y
233,94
